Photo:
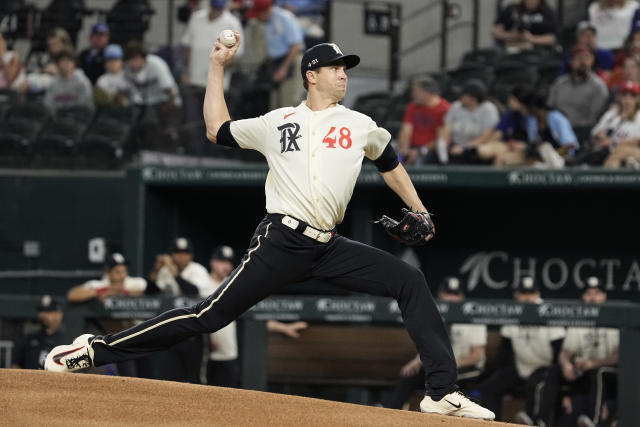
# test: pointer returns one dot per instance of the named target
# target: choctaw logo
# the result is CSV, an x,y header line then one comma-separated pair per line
x,y
568,311
345,306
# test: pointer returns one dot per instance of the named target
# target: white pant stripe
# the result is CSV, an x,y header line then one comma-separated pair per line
x,y
204,310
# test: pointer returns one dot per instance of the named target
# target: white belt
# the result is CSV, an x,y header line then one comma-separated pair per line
x,y
320,236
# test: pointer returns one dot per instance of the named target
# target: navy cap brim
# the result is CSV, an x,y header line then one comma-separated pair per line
x,y
350,61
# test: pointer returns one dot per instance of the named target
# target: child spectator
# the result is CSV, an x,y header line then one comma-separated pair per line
x,y
70,87
423,117
112,87
612,19
526,25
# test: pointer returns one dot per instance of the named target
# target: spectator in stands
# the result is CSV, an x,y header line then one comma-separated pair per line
x,y
285,43
34,347
112,87
587,34
588,361
526,25
524,358
507,142
468,342
41,66
581,95
617,134
177,274
150,78
116,281
91,59
70,88
311,17
468,124
612,19
12,73
202,31
422,119
629,71
631,48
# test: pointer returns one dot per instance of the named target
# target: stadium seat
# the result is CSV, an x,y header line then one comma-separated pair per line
x,y
30,110
79,113
59,137
128,115
375,105
17,134
129,20
67,14
489,56
104,141
510,74
548,73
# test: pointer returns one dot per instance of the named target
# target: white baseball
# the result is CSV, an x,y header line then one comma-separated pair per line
x,y
227,38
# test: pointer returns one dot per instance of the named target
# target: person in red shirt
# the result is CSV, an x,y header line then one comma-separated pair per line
x,y
422,119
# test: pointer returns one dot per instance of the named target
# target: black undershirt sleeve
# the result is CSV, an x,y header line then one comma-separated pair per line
x,y
556,345
186,286
224,137
505,352
388,160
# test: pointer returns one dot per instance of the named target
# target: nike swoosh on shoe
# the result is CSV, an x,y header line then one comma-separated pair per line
x,y
57,357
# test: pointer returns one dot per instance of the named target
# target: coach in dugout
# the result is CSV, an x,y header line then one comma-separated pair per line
x,y
34,347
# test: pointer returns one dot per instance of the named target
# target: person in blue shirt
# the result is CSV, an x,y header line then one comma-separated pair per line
x,y
284,42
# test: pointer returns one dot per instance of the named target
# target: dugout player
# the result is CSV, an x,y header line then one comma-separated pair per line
x,y
315,152
34,347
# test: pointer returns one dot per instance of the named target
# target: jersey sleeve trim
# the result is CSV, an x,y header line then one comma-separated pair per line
x,y
224,136
387,161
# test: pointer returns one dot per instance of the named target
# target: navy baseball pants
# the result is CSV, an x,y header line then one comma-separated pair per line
x,y
278,256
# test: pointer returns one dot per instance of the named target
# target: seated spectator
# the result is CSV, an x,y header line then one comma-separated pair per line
x,y
617,134
468,124
587,34
526,25
549,130
116,281
34,347
112,87
423,117
467,341
581,95
525,355
12,73
311,17
588,362
150,78
91,60
41,66
612,19
71,87
629,72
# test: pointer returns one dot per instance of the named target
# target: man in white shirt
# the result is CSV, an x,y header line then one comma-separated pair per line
x,y
588,362
468,342
315,152
202,31
525,356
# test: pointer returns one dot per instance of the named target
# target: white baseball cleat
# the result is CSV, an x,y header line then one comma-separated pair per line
x,y
457,405
69,358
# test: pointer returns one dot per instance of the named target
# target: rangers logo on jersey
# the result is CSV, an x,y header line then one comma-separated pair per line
x,y
289,132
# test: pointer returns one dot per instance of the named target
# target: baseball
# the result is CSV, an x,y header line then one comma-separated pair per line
x,y
227,38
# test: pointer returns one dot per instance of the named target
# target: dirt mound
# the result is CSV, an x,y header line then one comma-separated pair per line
x,y
29,398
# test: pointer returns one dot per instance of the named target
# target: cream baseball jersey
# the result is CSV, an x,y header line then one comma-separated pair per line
x,y
314,158
592,343
532,346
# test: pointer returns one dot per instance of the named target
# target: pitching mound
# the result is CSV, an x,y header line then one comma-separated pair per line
x,y
44,398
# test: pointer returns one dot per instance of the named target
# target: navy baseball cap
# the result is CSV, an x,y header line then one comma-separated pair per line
x,y
324,54
99,28
223,253
113,51
219,4
115,259
181,244
451,285
47,303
